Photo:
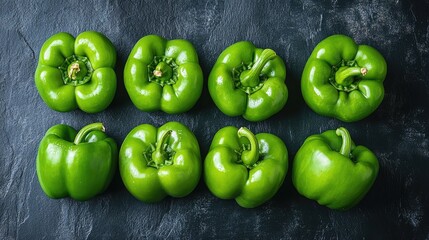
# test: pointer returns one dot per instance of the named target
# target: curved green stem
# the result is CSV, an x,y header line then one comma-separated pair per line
x,y
347,141
159,155
251,156
251,78
344,75
87,129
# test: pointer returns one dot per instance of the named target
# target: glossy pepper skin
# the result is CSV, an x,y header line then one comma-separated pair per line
x,y
79,165
159,162
248,81
343,80
330,169
163,75
77,73
245,167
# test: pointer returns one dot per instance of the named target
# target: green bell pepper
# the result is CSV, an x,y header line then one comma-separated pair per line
x,y
80,165
155,162
248,81
246,167
163,75
343,80
77,73
330,169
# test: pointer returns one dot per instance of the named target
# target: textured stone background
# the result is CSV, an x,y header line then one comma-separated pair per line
x,y
396,207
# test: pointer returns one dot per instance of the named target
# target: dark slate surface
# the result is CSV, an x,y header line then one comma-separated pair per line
x,y
396,207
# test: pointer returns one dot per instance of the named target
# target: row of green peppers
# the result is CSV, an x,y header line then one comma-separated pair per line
x,y
341,79
158,162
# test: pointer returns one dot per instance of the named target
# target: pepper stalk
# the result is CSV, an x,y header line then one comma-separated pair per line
x,y
251,78
347,141
87,129
250,156
159,155
345,75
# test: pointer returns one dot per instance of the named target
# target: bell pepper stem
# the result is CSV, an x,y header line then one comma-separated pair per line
x,y
87,129
158,156
73,70
344,75
251,78
347,141
250,156
157,73
76,70
162,70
